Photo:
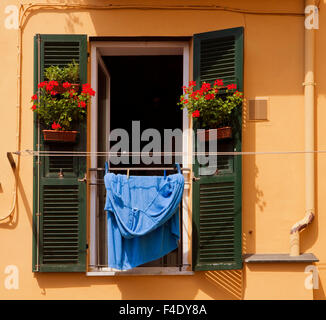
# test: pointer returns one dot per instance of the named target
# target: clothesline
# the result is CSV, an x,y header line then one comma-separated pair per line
x,y
153,154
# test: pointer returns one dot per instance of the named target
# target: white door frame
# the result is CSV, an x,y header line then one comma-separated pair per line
x,y
124,48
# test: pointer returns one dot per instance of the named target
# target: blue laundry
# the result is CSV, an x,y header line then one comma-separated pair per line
x,y
143,217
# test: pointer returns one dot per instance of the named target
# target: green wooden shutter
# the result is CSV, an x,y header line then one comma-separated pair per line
x,y
217,197
59,203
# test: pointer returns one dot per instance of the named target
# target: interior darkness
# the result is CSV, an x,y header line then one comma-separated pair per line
x,y
145,88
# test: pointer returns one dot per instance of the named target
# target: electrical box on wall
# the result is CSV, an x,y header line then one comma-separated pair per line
x,y
258,109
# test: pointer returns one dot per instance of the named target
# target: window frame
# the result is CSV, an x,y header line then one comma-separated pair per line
x,y
99,48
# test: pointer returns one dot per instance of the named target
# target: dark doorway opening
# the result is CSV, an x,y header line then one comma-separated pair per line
x,y
146,89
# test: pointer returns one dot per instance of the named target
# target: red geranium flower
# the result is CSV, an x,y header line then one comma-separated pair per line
x,y
238,94
192,83
53,83
200,92
231,86
87,89
56,126
82,104
66,85
42,84
218,82
196,114
34,97
209,96
48,87
71,93
206,86
53,93
34,107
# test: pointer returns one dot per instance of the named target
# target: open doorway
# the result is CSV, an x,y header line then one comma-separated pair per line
x,y
141,84
145,90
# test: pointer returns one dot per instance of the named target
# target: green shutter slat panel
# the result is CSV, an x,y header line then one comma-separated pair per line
x,y
217,59
62,201
214,228
52,249
217,197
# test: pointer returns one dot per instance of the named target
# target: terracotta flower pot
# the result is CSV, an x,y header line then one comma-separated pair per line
x,y
59,136
222,133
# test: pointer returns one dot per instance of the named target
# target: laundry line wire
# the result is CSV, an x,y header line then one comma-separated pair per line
x,y
28,152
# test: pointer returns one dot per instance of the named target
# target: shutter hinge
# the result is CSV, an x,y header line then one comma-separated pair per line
x,y
88,54
86,246
194,178
38,214
83,179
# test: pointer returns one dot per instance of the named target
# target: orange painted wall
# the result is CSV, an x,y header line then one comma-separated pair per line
x,y
273,185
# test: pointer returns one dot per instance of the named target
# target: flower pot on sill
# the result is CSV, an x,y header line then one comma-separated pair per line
x,y
222,133
59,136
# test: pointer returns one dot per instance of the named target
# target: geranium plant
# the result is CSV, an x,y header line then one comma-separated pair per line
x,y
60,111
213,104
69,73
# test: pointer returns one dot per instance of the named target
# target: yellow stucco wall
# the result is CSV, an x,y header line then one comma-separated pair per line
x,y
273,185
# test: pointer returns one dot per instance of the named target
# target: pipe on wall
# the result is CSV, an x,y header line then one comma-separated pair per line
x,y
309,113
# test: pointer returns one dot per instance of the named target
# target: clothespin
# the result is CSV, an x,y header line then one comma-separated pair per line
x,y
128,173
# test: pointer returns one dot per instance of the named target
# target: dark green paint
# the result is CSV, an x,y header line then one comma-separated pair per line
x,y
231,175
75,166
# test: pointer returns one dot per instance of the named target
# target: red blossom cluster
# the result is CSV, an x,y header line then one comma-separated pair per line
x,y
203,91
49,86
218,82
206,97
196,114
210,96
49,104
238,94
86,89
82,104
55,126
231,86
66,85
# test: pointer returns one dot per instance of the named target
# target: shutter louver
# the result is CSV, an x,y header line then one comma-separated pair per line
x,y
58,194
60,224
217,197
217,60
55,53
216,233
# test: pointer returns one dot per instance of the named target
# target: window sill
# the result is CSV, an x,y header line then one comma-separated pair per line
x,y
279,258
155,271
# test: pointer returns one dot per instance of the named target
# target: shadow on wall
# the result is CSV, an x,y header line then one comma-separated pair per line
x,y
252,195
229,281
12,221
319,294
216,285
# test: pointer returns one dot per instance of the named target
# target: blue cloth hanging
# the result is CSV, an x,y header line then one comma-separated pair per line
x,y
143,217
